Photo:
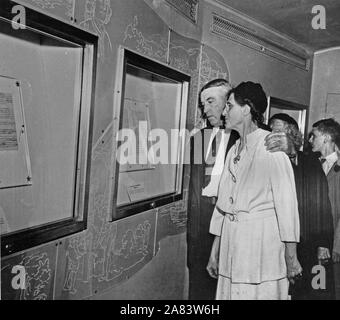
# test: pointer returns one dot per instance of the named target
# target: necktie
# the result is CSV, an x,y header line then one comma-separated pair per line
x,y
324,165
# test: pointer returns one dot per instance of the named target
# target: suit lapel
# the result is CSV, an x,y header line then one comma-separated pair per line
x,y
332,173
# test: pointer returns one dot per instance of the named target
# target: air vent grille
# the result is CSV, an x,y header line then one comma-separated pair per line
x,y
188,8
249,38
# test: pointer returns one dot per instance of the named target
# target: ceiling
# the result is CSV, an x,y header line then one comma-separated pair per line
x,y
293,18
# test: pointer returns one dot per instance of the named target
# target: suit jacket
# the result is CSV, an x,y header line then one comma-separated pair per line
x,y
333,178
200,208
316,226
315,212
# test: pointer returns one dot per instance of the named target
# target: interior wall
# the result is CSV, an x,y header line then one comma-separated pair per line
x,y
278,79
325,93
142,256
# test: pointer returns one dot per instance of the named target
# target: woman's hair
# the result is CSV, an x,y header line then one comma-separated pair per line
x,y
294,135
252,94
291,128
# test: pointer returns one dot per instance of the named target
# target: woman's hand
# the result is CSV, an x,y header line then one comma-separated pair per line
x,y
212,266
294,268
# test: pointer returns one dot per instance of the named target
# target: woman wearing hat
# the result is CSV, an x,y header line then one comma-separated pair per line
x,y
255,221
315,213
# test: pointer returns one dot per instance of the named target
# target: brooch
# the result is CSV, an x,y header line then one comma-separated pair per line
x,y
236,159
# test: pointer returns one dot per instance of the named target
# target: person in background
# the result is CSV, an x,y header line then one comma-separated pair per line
x,y
315,213
325,139
255,220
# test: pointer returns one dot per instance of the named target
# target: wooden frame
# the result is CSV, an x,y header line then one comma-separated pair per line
x,y
126,57
31,237
288,106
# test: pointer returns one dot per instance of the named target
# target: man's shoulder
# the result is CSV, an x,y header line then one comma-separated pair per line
x,y
309,159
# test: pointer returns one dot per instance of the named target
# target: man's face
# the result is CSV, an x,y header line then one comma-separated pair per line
x,y
213,101
317,140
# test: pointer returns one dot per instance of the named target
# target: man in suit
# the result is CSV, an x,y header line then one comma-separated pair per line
x,y
315,214
207,145
209,148
324,139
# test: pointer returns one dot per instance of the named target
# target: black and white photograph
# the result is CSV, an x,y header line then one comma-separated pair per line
x,y
170,154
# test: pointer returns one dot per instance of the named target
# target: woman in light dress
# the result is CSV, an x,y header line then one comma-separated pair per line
x,y
256,220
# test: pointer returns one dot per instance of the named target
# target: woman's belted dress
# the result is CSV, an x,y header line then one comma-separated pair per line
x,y
256,212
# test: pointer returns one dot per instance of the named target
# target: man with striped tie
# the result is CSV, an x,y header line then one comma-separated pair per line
x,y
208,147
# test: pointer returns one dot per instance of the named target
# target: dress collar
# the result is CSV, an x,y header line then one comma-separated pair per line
x,y
251,139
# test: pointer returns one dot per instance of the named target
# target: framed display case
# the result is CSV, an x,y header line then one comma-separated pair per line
x,y
47,79
151,105
295,110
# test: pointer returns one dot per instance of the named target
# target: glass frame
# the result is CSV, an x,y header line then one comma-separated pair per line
x,y
286,105
27,238
128,57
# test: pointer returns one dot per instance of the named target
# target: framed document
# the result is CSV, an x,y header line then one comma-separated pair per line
x,y
150,105
15,169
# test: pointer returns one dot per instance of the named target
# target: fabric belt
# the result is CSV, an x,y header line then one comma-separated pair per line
x,y
246,215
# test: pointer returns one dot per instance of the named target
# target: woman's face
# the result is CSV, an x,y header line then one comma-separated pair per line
x,y
278,125
234,113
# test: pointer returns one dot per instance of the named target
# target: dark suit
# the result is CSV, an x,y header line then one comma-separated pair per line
x,y
316,225
200,208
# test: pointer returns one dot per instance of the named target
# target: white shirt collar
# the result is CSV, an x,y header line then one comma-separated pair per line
x,y
332,158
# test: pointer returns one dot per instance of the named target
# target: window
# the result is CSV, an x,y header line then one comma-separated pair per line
x,y
53,65
151,107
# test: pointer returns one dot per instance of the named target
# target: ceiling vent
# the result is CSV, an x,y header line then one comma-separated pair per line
x,y
188,8
249,38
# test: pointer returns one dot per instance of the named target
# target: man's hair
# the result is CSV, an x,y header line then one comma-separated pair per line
x,y
213,84
216,83
330,127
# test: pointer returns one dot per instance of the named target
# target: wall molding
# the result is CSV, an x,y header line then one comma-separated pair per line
x,y
327,50
249,37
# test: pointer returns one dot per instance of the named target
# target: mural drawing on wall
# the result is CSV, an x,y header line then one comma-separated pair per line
x,y
185,55
38,274
97,15
154,46
55,4
105,254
